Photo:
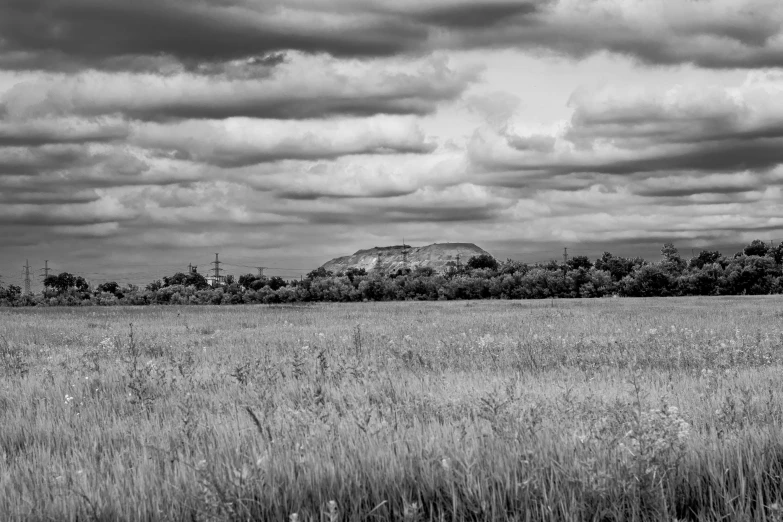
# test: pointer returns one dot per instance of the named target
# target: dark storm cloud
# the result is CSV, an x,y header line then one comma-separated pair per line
x,y
723,156
236,158
689,116
680,134
537,142
244,142
306,89
16,161
24,195
477,15
283,108
679,192
33,134
76,167
305,194
110,34
35,215
456,214
428,206
93,32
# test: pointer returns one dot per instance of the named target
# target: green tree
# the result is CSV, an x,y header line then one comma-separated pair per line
x,y
247,280
777,254
277,282
577,262
81,284
756,248
705,257
353,272
647,281
110,287
510,266
190,279
423,271
672,261
61,282
482,261
318,272
618,267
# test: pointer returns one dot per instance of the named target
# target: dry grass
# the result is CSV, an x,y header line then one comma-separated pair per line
x,y
566,410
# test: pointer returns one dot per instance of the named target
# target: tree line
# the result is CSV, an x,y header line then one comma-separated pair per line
x,y
756,270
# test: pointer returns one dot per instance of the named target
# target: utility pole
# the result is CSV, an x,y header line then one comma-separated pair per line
x,y
565,262
26,267
458,264
216,262
46,269
378,262
404,254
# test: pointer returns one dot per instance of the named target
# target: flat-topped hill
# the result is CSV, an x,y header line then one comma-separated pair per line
x,y
438,256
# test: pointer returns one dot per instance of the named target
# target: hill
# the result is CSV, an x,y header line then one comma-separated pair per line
x,y
438,256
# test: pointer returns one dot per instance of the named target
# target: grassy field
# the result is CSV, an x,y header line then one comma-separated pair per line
x,y
611,409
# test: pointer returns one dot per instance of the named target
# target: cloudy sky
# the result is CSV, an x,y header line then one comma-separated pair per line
x,y
136,137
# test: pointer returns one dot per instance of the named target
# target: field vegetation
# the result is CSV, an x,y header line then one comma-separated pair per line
x,y
602,409
756,270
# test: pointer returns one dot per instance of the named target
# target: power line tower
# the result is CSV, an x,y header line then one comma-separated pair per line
x,y
46,269
216,262
404,255
260,270
378,265
26,267
459,265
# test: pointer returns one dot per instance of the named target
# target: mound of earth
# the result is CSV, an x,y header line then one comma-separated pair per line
x,y
438,256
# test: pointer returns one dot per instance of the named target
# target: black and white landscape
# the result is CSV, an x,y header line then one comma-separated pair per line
x,y
156,132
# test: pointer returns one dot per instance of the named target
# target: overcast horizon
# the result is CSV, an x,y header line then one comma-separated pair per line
x,y
137,137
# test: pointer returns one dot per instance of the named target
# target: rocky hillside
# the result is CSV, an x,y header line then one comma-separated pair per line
x,y
389,259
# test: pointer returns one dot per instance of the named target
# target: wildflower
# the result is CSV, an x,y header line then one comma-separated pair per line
x,y
446,463
410,510
262,460
331,511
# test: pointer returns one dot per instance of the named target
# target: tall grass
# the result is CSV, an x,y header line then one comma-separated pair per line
x,y
565,410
